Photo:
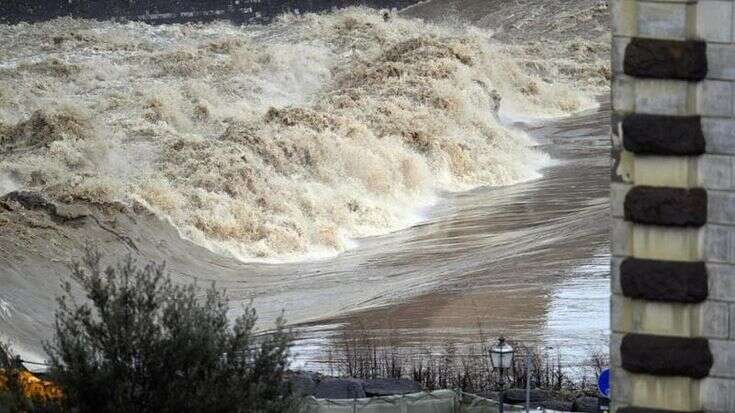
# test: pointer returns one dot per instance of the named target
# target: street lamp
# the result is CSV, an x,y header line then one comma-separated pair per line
x,y
501,356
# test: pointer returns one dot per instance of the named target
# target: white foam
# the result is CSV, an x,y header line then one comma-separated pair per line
x,y
274,143
7,185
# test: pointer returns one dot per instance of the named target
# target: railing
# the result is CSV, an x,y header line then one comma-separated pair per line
x,y
440,401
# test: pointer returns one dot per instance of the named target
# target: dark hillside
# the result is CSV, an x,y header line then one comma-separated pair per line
x,y
166,11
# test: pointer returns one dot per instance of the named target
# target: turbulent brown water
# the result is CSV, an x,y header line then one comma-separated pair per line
x,y
346,169
528,261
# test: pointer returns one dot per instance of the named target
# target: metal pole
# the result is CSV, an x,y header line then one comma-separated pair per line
x,y
528,381
501,396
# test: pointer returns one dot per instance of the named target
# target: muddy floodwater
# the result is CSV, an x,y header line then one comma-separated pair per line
x,y
391,175
528,261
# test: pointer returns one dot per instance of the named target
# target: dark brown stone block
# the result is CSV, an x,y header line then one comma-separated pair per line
x,y
666,206
666,356
669,281
663,135
666,59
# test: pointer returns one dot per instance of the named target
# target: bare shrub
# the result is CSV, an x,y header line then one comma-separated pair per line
x,y
359,354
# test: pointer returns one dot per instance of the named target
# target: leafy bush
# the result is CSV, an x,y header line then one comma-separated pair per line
x,y
139,343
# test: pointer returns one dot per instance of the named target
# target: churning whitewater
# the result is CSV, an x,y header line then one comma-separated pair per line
x,y
271,143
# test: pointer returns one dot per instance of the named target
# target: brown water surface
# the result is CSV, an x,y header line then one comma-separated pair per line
x,y
529,261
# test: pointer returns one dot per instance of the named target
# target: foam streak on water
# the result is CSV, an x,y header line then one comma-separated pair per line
x,y
269,143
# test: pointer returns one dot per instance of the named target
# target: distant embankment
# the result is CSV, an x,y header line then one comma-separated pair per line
x,y
174,11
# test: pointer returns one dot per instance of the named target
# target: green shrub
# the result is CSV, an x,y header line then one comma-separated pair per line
x,y
139,343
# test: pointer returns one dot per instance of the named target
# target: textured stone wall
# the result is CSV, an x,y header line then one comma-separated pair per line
x,y
673,203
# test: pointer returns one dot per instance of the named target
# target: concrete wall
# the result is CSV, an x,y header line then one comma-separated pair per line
x,y
673,203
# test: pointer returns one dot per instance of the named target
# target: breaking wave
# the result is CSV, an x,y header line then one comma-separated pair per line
x,y
278,142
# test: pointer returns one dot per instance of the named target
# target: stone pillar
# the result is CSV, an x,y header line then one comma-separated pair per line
x,y
673,204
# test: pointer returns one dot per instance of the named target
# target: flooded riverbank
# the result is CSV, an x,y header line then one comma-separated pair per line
x,y
528,261
290,165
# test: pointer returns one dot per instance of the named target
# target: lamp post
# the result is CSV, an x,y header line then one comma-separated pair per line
x,y
501,356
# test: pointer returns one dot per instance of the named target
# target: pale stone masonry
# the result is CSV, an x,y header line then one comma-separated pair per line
x,y
673,266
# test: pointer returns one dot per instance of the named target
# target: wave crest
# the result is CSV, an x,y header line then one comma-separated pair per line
x,y
273,142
